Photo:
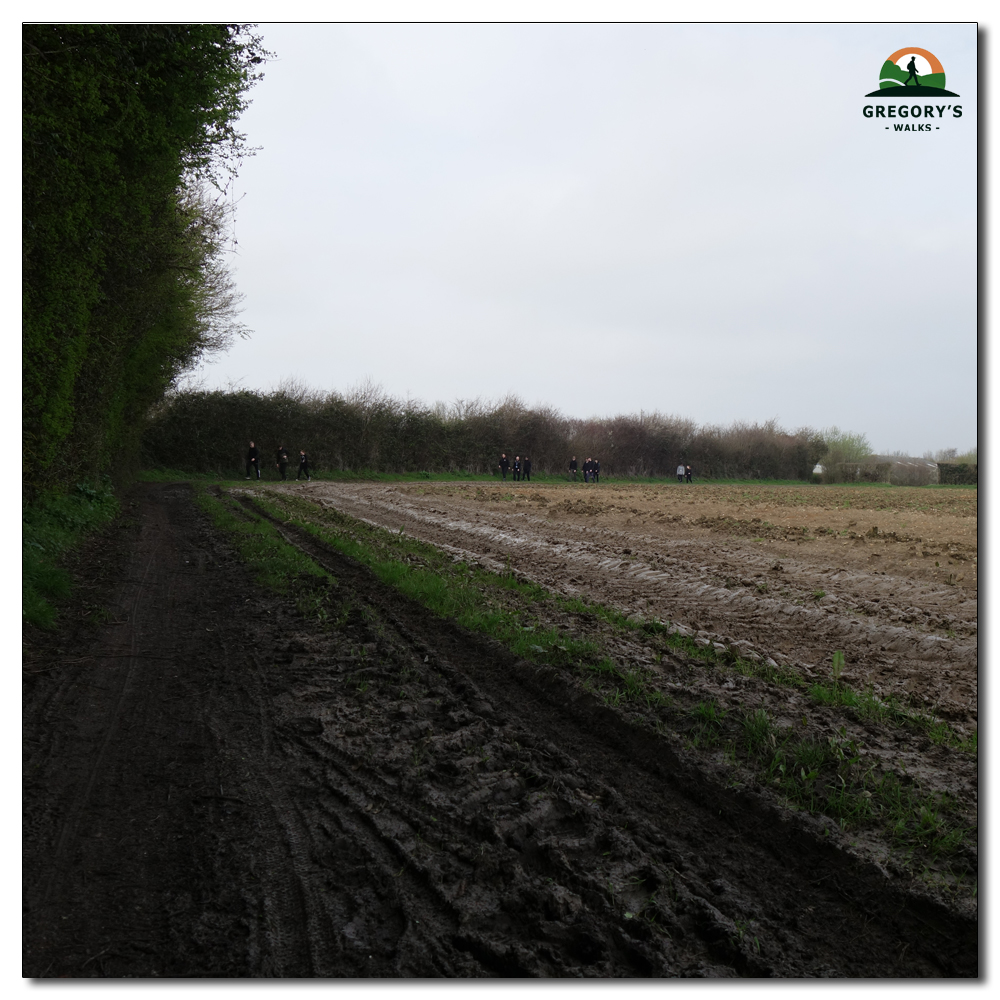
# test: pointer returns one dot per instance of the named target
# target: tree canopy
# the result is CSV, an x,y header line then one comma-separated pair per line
x,y
129,141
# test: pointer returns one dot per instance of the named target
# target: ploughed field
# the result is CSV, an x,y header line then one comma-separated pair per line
x,y
622,745
888,576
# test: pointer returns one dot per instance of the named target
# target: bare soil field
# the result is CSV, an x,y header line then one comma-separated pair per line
x,y
218,786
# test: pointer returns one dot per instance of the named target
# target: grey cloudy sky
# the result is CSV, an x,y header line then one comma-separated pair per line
x,y
606,218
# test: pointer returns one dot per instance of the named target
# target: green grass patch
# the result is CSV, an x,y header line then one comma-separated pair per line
x,y
276,564
181,476
497,605
269,475
52,527
670,639
709,719
619,685
866,706
832,777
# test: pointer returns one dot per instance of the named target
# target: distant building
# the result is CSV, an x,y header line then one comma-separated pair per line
x,y
900,470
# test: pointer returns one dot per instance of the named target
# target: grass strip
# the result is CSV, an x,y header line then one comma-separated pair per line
x,y
863,705
497,605
866,706
276,564
51,528
832,777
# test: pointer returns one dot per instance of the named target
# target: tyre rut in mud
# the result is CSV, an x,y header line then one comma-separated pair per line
x,y
216,786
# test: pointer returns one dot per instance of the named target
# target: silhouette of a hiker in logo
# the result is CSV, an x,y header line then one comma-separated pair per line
x,y
912,67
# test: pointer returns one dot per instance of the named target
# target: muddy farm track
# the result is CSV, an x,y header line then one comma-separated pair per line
x,y
219,786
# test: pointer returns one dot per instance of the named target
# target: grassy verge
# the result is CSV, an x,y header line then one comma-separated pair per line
x,y
496,605
822,776
544,478
346,476
276,564
179,475
834,777
866,706
863,705
51,528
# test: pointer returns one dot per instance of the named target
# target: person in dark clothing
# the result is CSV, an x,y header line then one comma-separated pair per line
x,y
303,466
687,472
517,468
282,461
504,465
587,469
253,463
572,467
527,469
595,470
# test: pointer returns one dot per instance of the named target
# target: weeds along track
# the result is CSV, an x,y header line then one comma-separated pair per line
x,y
788,573
337,781
567,794
874,755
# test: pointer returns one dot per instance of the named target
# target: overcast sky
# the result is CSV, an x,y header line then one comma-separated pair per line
x,y
606,218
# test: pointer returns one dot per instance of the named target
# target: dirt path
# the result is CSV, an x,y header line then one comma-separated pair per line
x,y
215,788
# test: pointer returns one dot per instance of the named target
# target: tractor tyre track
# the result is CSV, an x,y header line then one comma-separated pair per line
x,y
217,787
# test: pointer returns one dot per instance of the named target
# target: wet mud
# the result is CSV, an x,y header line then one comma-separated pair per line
x,y
217,787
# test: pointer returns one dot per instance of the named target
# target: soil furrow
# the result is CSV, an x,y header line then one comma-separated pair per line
x,y
723,587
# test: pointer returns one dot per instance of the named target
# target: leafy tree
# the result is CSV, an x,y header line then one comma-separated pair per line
x,y
842,447
127,131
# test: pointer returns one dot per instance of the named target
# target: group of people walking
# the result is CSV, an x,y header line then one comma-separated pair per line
x,y
521,467
281,463
591,470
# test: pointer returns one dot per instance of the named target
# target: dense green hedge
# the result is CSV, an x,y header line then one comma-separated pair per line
x,y
958,473
367,429
125,127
